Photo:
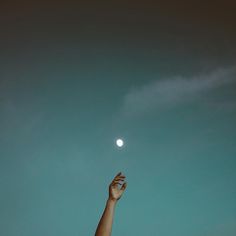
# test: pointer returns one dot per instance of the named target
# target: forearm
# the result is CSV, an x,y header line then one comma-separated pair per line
x,y
105,224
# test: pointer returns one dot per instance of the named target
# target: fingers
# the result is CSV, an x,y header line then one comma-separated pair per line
x,y
123,187
117,181
118,174
122,178
119,178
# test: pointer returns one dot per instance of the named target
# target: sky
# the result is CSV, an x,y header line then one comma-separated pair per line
x,y
74,76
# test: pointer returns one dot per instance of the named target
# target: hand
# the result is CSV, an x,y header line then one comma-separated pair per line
x,y
115,192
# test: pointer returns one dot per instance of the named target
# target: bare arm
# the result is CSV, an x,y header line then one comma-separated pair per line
x,y
104,227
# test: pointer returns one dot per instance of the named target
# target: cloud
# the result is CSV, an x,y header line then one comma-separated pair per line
x,y
168,92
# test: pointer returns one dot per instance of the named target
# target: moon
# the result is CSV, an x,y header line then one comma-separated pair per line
x,y
119,142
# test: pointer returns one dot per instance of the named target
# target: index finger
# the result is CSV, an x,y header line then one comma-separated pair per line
x,y
118,174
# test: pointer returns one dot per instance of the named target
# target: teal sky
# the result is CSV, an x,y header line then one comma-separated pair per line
x,y
74,77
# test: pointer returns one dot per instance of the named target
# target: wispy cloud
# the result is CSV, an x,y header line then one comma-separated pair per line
x,y
168,92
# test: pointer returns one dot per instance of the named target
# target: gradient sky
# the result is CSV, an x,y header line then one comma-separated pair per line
x,y
75,76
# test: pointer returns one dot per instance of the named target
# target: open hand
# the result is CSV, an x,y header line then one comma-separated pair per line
x,y
115,192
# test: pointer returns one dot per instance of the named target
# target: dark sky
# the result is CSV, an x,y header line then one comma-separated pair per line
x,y
74,76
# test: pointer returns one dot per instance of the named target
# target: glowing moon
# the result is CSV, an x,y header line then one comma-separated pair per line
x,y
119,142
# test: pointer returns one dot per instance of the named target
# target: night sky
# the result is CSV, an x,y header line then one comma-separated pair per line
x,y
74,76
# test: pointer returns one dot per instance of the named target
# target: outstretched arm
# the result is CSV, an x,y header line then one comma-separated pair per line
x,y
104,227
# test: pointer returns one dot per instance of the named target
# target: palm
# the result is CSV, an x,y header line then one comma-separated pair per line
x,y
114,191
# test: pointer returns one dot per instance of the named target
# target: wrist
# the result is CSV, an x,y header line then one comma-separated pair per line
x,y
111,201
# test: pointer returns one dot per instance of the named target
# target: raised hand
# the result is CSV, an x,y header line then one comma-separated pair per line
x,y
115,192
104,227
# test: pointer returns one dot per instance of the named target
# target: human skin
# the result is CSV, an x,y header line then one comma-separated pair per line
x,y
104,227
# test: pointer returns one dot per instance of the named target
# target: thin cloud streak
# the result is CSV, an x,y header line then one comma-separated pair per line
x,y
169,92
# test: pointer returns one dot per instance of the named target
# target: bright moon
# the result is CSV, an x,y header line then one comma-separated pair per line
x,y
119,142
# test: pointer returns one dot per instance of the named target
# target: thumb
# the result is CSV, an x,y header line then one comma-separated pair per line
x,y
123,187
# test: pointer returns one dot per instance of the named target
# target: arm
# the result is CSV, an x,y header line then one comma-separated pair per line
x,y
104,227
